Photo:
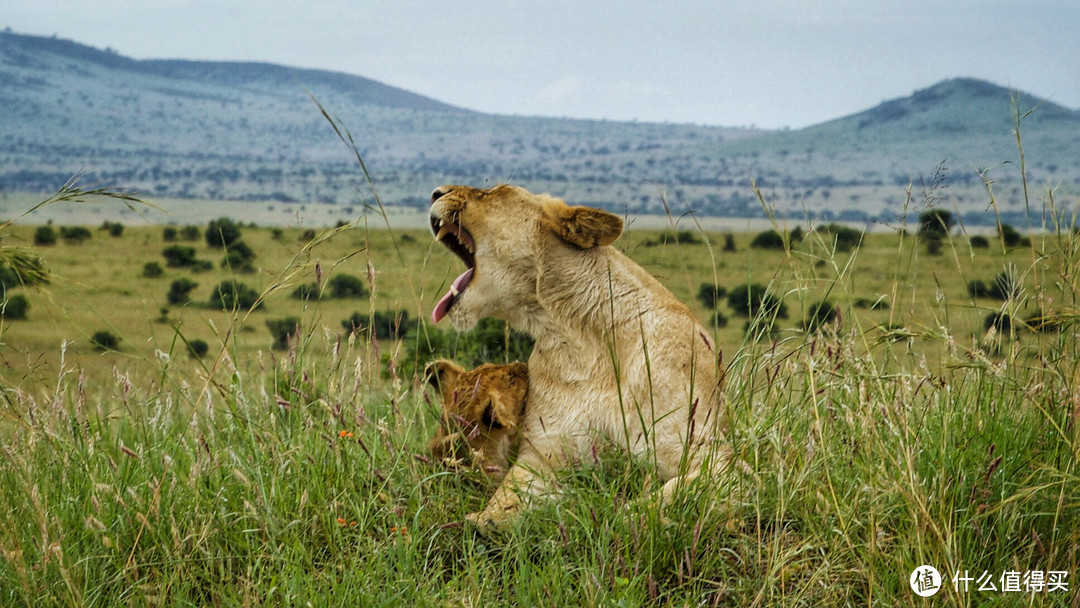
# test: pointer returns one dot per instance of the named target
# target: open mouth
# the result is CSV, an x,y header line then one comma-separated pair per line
x,y
460,242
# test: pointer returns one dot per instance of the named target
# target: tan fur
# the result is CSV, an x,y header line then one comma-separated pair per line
x,y
615,354
481,414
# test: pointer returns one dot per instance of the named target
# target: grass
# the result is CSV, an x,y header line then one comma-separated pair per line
x,y
905,434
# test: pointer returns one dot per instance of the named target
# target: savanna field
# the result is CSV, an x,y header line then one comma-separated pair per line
x,y
172,438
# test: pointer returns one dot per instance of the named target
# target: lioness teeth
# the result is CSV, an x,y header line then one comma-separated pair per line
x,y
443,231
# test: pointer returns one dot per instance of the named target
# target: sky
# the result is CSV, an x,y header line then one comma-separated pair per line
x,y
770,64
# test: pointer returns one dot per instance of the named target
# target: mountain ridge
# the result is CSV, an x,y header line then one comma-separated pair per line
x,y
249,131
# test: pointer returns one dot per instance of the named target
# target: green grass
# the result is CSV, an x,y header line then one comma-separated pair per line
x,y
905,435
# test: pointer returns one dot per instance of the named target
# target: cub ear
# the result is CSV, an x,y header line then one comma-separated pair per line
x,y
584,227
442,374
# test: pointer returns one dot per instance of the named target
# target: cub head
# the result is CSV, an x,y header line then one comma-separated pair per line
x,y
499,234
481,414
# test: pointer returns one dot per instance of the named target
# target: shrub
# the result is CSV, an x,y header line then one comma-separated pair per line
x,y
386,325
75,234
14,307
752,300
978,289
152,270
309,291
770,239
819,314
681,237
238,257
845,238
234,295
8,277
718,319
1001,321
1006,285
729,243
179,256
190,233
1009,235
936,223
710,295
115,229
282,330
489,342
198,348
934,246
222,232
979,242
180,291
104,340
45,235
346,286
168,234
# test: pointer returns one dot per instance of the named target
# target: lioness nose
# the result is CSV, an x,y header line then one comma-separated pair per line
x,y
439,192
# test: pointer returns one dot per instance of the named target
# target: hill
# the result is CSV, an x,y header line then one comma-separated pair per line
x,y
250,131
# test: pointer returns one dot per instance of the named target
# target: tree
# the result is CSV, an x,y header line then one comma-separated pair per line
x,y
282,330
180,291
346,286
221,232
710,295
104,340
234,295
179,256
936,223
752,299
14,307
45,235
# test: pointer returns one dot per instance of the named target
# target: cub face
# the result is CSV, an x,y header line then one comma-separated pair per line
x,y
481,414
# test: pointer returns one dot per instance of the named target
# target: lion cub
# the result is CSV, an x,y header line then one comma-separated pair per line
x,y
481,414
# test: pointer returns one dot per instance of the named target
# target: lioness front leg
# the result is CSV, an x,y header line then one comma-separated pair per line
x,y
527,478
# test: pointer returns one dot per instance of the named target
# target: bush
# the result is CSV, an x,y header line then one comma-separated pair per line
x,y
845,238
1006,285
1001,321
198,348
489,342
979,242
681,237
346,286
179,256
104,340
115,229
238,258
152,270
8,277
718,319
168,234
75,234
190,233
222,232
752,300
386,325
710,295
282,330
729,243
934,246
180,291
309,291
14,307
234,295
770,239
45,235
978,289
820,314
1010,236
936,224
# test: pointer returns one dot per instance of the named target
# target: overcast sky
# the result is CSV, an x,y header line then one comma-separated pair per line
x,y
720,62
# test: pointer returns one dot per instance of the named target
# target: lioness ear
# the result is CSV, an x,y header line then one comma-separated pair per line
x,y
442,374
584,227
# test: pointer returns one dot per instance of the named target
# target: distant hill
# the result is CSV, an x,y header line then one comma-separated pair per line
x,y
250,131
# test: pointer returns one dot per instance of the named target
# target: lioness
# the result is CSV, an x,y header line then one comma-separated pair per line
x,y
615,352
482,410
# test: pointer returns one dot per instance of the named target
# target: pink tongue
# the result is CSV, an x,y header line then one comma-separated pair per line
x,y
448,300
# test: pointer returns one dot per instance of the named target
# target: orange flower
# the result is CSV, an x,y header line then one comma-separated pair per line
x,y
345,434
